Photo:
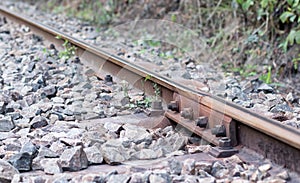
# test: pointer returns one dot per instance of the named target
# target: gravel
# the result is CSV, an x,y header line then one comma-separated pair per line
x,y
45,100
172,64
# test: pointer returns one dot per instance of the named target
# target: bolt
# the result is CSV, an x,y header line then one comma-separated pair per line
x,y
187,113
173,106
225,143
108,79
201,121
52,46
219,131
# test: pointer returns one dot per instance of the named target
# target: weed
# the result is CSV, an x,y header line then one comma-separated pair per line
x,y
173,18
244,71
156,91
295,62
266,78
69,50
144,103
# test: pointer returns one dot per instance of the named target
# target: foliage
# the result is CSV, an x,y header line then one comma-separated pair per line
x,y
69,50
243,32
88,10
266,78
272,13
156,91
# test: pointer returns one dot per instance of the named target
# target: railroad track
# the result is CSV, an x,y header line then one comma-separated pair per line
x,y
208,116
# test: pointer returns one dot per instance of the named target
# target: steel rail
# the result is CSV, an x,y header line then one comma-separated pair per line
x,y
102,59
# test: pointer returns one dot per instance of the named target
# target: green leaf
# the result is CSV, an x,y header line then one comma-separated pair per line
x,y
297,37
290,2
291,37
284,45
264,3
295,4
147,77
246,5
239,1
285,15
292,18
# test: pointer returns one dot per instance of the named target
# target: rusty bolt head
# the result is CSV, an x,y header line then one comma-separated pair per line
x,y
187,113
225,143
202,121
219,131
173,106
108,79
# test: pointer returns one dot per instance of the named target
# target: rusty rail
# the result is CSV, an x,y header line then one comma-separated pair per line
x,y
200,103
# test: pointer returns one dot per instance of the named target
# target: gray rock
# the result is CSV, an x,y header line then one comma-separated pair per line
x,y
6,123
257,175
236,171
94,155
290,97
114,152
93,178
145,154
2,107
75,133
6,135
138,178
265,167
38,179
205,166
219,170
38,122
25,90
113,127
265,88
74,159
92,137
49,91
44,106
114,155
159,178
29,148
47,153
281,108
175,166
29,112
36,163
12,144
51,166
57,146
117,178
188,167
240,180
21,161
284,175
58,100
186,75
7,172
136,133
171,143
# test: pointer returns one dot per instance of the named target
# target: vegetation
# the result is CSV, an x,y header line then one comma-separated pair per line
x,y
69,50
241,33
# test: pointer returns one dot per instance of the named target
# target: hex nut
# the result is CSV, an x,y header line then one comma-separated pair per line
x,y
187,113
225,143
201,121
173,106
